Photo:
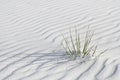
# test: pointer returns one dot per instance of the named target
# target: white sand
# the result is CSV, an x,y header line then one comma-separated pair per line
x,y
30,36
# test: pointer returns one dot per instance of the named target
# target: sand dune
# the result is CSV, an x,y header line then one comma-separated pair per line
x,y
30,37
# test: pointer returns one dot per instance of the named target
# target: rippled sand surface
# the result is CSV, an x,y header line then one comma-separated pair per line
x,y
30,37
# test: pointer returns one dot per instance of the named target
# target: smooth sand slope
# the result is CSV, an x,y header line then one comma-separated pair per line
x,y
30,37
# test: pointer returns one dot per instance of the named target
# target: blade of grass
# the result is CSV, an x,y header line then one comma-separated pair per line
x,y
77,42
94,50
73,45
68,46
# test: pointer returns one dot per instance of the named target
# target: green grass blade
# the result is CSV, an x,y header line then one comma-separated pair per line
x,y
67,46
73,44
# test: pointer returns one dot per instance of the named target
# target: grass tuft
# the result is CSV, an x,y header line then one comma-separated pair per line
x,y
76,48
